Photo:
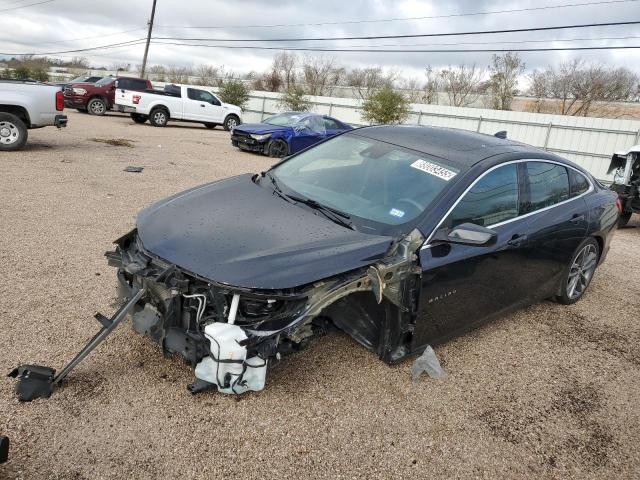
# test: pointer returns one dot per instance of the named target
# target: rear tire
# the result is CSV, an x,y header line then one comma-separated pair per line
x,y
624,219
577,276
97,106
210,126
159,117
13,133
139,118
81,110
231,122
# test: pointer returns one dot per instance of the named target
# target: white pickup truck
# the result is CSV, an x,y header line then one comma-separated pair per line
x,y
27,105
179,102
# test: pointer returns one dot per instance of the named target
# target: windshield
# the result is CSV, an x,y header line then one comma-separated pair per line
x,y
375,181
105,81
284,119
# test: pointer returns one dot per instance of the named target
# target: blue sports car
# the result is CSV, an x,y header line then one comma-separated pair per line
x,y
286,133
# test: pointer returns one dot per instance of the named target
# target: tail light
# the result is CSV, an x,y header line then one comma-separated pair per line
x,y
136,99
59,100
619,206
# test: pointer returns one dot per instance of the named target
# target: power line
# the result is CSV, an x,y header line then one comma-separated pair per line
x,y
29,5
93,36
488,50
129,43
502,42
430,17
418,35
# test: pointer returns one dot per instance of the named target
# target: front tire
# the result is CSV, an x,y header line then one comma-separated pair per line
x,y
578,274
13,133
210,126
231,122
277,148
97,106
159,117
139,118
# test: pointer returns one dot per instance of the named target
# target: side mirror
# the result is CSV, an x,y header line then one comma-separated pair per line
x,y
468,234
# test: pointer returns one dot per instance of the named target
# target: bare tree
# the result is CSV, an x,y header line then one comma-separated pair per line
x,y
432,86
179,74
120,67
206,75
412,90
575,88
503,81
462,84
286,64
157,73
321,74
365,81
79,62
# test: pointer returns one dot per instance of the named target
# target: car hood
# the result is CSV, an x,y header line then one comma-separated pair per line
x,y
260,128
241,234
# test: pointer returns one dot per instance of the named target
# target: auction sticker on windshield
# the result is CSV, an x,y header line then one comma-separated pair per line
x,y
434,169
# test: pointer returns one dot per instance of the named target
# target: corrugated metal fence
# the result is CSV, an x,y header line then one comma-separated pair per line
x,y
587,141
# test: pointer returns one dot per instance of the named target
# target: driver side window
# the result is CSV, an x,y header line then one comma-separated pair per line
x,y
201,95
493,199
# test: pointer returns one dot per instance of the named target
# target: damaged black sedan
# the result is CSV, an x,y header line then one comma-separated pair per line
x,y
399,236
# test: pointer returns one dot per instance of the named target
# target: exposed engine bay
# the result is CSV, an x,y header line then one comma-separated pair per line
x,y
230,334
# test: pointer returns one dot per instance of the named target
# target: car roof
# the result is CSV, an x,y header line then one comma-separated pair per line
x,y
460,146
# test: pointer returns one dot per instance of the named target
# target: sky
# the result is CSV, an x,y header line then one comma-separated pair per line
x,y
56,25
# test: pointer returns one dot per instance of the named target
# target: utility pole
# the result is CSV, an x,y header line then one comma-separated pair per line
x,y
146,48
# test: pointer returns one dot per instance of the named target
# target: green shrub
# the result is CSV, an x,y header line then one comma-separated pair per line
x,y
234,92
295,100
386,106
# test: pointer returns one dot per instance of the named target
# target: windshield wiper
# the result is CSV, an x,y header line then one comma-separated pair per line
x,y
276,188
331,213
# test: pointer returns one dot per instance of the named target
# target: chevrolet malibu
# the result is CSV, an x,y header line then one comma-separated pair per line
x,y
399,236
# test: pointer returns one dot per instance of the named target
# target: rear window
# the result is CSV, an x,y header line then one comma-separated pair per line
x,y
331,124
548,185
132,84
578,183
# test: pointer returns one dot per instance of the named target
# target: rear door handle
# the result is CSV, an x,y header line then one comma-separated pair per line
x,y
517,240
577,218
202,104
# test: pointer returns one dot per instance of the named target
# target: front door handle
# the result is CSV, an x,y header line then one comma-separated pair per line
x,y
517,240
202,105
577,218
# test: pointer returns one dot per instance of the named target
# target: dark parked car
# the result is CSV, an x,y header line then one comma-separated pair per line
x,y
626,181
286,133
97,98
399,236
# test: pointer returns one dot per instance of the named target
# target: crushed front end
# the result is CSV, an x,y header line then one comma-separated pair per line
x,y
229,334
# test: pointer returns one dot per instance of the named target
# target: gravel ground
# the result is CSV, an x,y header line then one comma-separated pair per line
x,y
548,392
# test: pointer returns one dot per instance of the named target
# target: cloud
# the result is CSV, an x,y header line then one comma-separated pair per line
x,y
33,29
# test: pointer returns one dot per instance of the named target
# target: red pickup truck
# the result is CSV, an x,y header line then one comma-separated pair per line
x,y
97,98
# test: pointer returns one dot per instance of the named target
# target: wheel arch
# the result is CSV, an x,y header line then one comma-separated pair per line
x,y
159,106
600,240
19,111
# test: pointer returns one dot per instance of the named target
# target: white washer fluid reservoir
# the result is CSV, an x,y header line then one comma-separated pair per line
x,y
235,376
